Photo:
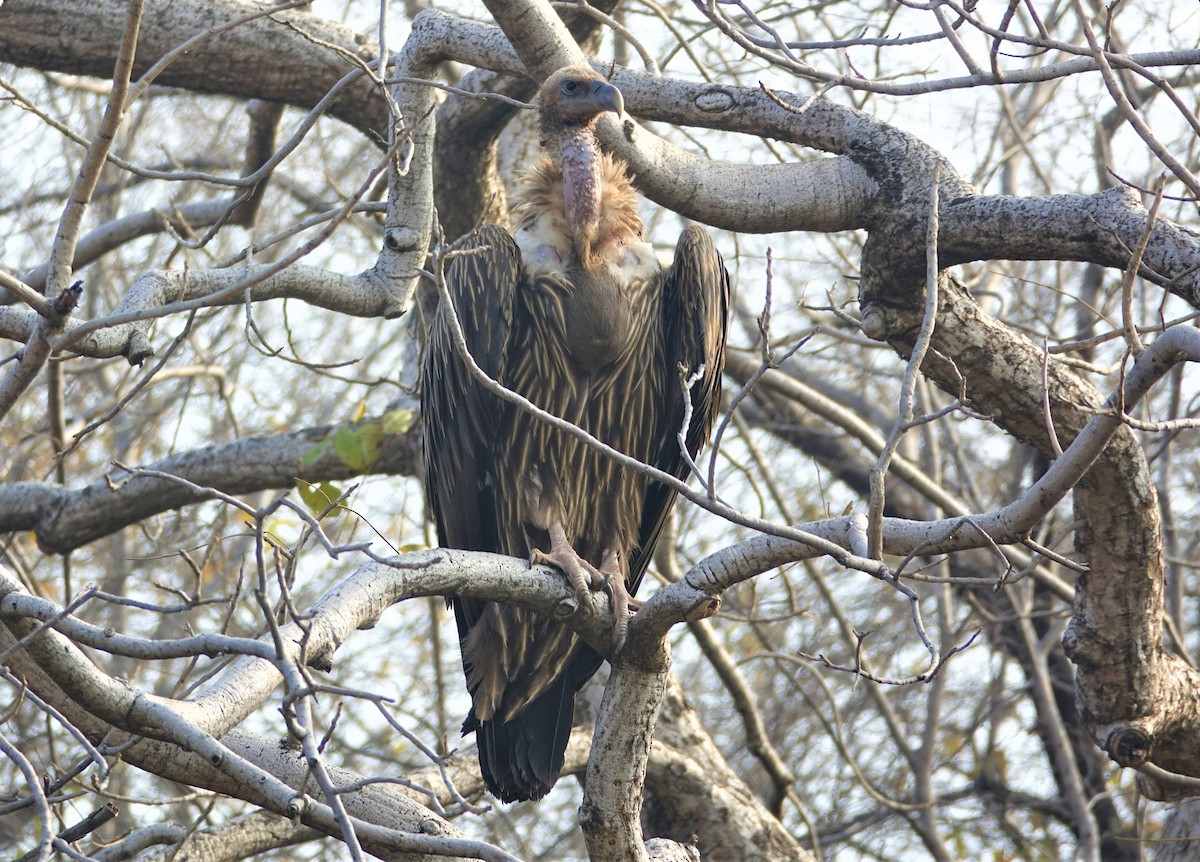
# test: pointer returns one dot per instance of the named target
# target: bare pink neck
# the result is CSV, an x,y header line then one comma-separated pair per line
x,y
579,157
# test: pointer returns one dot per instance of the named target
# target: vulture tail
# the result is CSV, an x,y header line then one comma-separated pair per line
x,y
521,758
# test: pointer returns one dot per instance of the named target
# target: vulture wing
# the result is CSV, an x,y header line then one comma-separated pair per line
x,y
459,417
695,307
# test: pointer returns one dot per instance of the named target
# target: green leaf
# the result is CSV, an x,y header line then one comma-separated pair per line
x,y
313,455
358,447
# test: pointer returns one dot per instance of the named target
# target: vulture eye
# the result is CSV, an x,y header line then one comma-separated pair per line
x,y
570,87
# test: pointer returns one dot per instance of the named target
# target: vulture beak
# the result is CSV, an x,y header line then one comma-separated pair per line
x,y
606,97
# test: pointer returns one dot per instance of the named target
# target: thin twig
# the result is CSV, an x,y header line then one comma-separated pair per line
x,y
908,384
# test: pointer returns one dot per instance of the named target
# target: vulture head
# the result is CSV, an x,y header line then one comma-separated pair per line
x,y
572,99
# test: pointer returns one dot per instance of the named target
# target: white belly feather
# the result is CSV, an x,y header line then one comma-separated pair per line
x,y
546,251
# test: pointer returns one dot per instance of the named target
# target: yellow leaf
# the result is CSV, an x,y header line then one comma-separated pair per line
x,y
399,421
319,497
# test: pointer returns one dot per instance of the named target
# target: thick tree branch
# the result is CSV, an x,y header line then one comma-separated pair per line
x,y
828,195
63,518
1133,695
692,790
55,35
612,801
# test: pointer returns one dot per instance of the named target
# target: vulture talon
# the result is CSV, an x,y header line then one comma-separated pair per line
x,y
579,572
585,578
614,585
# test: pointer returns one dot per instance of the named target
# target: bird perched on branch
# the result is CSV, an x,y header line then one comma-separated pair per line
x,y
576,314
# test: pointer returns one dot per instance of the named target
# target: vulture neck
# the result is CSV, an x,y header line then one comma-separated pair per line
x,y
578,156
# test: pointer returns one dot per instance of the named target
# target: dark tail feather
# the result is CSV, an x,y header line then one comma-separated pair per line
x,y
521,758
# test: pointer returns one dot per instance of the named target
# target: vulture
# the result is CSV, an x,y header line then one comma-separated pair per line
x,y
576,314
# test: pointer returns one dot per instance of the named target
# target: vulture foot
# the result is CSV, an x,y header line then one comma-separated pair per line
x,y
622,602
582,575
585,577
